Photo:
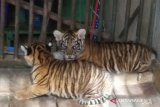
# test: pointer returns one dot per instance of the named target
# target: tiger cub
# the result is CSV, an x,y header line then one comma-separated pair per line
x,y
83,81
116,57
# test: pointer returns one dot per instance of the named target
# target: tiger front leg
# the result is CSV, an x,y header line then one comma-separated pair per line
x,y
31,92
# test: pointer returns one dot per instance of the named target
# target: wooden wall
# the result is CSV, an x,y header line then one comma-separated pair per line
x,y
155,27
138,20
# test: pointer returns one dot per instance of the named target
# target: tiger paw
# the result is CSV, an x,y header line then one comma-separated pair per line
x,y
23,95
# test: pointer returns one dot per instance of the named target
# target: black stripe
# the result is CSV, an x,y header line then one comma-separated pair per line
x,y
36,76
36,69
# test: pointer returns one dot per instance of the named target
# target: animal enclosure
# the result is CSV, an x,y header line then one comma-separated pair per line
x,y
26,21
115,20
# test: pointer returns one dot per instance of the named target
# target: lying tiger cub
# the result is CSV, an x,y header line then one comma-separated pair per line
x,y
83,81
115,57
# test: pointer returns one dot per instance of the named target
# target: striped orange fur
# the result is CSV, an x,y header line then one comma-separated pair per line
x,y
79,80
117,57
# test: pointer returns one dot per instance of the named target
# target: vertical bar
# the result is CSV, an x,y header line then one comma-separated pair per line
x,y
73,14
156,26
114,15
151,23
87,14
2,23
50,2
44,22
126,26
101,18
16,39
30,21
139,24
59,21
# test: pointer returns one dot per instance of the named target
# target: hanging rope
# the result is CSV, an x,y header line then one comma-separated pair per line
x,y
95,21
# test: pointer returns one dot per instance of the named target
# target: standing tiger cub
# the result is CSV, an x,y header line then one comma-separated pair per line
x,y
80,80
116,57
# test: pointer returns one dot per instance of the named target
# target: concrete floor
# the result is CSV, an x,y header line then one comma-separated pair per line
x,y
128,92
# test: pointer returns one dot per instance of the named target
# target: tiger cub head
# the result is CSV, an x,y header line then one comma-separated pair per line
x,y
70,43
37,53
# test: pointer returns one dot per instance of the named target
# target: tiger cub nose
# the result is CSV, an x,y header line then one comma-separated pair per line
x,y
69,51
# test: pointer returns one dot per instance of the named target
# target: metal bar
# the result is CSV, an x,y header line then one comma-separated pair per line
x,y
114,15
50,2
151,24
126,27
59,20
46,11
101,18
44,22
31,22
39,10
87,14
16,39
155,32
73,12
139,24
2,23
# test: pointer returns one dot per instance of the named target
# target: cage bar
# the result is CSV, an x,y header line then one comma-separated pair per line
x,y
126,27
16,38
139,24
59,18
30,36
87,13
44,22
2,23
114,15
73,14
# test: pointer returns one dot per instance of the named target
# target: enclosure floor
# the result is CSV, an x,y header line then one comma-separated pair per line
x,y
127,91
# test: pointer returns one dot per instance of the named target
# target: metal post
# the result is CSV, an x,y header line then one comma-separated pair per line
x,y
2,23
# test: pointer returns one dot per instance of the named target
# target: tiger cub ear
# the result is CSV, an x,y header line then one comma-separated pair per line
x,y
58,35
26,50
81,33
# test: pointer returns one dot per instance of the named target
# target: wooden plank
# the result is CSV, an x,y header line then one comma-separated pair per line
x,y
47,11
2,23
114,15
144,34
39,10
59,20
151,24
140,16
31,21
73,12
131,20
127,14
44,22
156,31
50,2
87,14
16,38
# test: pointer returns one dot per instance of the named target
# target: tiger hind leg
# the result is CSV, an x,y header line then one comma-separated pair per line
x,y
30,92
94,101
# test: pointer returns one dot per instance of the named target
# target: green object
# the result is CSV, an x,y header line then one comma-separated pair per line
x,y
80,10
23,17
9,39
